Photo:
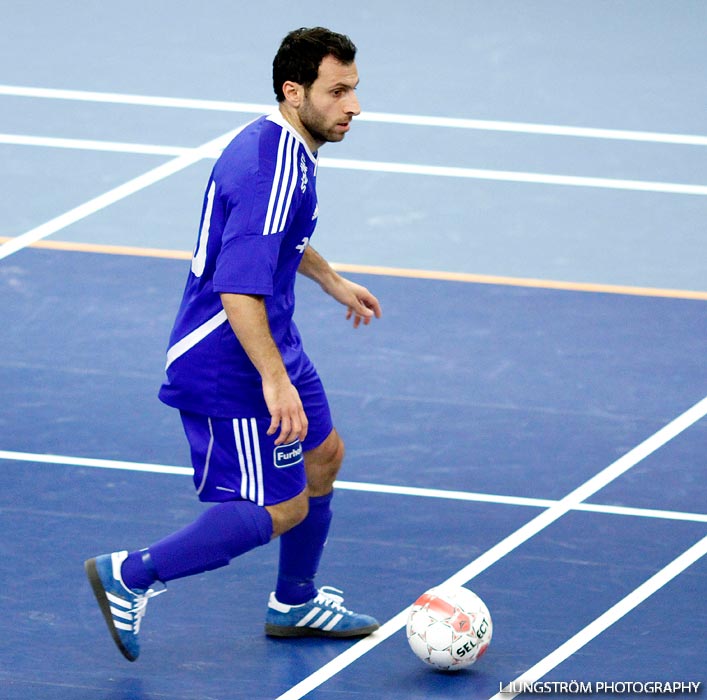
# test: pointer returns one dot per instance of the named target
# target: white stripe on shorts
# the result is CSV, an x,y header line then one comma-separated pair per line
x,y
258,463
249,460
208,458
241,459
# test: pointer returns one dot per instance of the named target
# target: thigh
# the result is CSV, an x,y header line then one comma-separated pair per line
x,y
235,459
316,408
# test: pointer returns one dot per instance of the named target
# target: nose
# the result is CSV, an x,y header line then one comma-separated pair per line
x,y
353,107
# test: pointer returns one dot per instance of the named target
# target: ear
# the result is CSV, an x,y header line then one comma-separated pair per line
x,y
293,92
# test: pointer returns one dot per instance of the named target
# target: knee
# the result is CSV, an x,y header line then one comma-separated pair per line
x,y
288,514
333,457
323,465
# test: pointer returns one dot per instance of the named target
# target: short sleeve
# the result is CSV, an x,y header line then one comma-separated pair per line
x,y
247,259
246,264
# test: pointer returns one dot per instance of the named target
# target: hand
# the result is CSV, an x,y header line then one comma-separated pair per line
x,y
286,411
362,305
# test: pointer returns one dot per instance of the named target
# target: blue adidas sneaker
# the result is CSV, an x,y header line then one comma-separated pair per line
x,y
323,616
122,608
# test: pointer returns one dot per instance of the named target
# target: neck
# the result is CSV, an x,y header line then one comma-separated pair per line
x,y
291,116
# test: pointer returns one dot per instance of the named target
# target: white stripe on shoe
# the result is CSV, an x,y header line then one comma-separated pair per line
x,y
321,619
309,616
117,600
122,614
332,623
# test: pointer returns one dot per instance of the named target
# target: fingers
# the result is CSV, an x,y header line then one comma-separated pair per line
x,y
358,317
292,429
274,423
286,412
364,311
293,426
373,305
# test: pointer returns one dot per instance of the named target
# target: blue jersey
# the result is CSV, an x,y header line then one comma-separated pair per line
x,y
259,212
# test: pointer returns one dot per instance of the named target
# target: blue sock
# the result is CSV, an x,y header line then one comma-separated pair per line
x,y
221,533
301,551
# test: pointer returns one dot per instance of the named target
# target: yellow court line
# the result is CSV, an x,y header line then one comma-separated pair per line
x,y
396,272
108,249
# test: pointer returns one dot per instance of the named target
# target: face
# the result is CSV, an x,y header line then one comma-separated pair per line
x,y
330,104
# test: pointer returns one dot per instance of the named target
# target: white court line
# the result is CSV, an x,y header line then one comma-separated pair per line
x,y
136,100
514,176
92,145
517,501
95,463
380,166
189,157
380,117
604,621
366,487
554,511
507,545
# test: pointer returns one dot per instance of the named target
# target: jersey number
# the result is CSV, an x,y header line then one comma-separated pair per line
x,y
198,262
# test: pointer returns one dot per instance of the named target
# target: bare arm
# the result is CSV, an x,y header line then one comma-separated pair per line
x,y
361,304
249,321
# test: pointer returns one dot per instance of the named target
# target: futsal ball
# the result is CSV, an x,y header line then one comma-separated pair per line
x,y
449,627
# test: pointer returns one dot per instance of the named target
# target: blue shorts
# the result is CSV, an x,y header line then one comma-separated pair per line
x,y
235,459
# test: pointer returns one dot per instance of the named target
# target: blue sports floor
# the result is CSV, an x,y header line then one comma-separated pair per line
x,y
525,193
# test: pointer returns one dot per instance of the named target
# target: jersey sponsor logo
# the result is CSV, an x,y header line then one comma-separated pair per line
x,y
316,212
288,455
303,170
303,245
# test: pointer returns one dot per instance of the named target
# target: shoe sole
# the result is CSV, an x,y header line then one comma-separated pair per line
x,y
104,604
280,631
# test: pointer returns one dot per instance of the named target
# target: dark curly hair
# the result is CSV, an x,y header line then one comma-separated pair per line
x,y
301,52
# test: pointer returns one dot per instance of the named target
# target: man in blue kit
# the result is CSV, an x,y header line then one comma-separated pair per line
x,y
263,445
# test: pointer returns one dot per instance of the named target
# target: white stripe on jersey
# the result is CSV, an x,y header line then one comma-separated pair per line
x,y
196,336
293,183
283,184
275,182
286,175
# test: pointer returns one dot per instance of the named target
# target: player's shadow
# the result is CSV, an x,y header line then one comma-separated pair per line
x,y
129,689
